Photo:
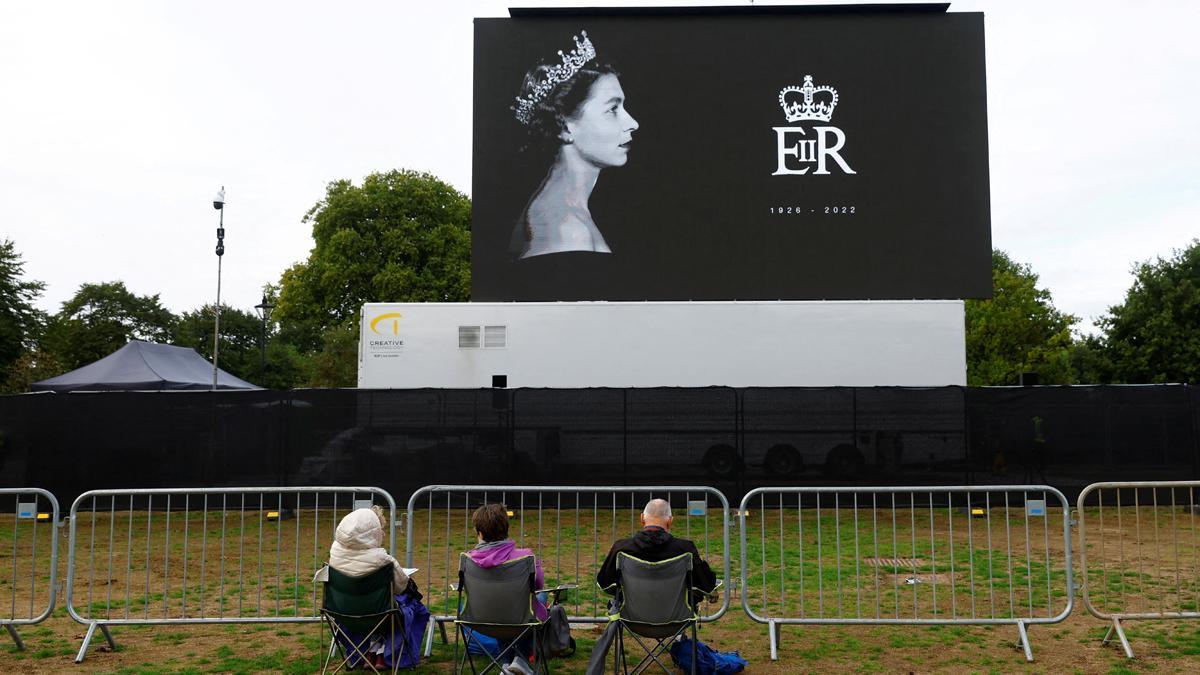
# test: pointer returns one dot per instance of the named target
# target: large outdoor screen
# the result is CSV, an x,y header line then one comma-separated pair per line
x,y
747,156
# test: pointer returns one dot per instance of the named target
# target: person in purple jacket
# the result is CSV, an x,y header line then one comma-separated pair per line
x,y
495,548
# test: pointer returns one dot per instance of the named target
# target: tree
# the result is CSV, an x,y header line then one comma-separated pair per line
x,y
239,353
1017,330
241,349
402,236
336,364
1154,335
102,318
31,366
285,368
1091,361
20,321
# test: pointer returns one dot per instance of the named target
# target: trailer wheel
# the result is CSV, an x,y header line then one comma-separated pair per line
x,y
722,461
784,460
844,461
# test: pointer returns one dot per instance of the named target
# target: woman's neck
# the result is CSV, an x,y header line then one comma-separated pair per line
x,y
572,177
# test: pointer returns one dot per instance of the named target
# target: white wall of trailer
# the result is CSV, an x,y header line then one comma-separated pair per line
x,y
674,344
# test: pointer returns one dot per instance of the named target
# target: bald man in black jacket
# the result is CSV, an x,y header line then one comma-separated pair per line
x,y
654,543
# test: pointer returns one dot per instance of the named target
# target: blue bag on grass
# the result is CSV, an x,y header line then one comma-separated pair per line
x,y
708,660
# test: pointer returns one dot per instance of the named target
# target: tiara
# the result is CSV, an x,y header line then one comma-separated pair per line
x,y
555,75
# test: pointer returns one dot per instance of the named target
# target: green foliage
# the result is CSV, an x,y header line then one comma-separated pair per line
x,y
102,318
1091,361
20,321
1154,335
285,367
402,236
31,366
336,364
1017,330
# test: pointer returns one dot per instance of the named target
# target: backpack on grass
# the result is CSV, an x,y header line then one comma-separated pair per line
x,y
708,660
558,638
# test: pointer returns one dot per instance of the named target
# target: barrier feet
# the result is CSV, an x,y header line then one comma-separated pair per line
x,y
435,625
87,640
429,637
1120,631
773,631
12,631
1023,641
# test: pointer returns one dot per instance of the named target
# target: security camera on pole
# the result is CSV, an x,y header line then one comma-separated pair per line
x,y
218,204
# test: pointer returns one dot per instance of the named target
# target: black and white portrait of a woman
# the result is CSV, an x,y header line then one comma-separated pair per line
x,y
574,112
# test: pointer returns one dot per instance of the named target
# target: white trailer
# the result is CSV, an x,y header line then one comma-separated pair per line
x,y
631,347
662,344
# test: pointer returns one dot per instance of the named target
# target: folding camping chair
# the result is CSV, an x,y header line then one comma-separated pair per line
x,y
356,609
654,601
497,602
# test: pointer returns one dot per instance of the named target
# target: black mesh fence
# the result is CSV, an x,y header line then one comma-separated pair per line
x,y
732,439
1072,436
833,436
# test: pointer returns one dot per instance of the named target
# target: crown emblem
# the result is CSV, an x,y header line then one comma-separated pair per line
x,y
800,103
555,75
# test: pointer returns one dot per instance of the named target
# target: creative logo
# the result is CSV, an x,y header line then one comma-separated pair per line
x,y
809,102
395,316
389,346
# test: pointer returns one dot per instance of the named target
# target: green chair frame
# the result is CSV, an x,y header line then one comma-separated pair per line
x,y
359,605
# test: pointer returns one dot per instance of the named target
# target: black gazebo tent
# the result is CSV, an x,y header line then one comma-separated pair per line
x,y
144,366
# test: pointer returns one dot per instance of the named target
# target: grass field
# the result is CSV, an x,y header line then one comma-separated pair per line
x,y
1069,647
1001,565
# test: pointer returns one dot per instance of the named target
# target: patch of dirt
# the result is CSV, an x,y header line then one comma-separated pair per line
x,y
1072,646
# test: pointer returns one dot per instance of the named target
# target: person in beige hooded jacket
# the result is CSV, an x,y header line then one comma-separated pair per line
x,y
357,548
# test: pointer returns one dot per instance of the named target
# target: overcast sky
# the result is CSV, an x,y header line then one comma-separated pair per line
x,y
120,120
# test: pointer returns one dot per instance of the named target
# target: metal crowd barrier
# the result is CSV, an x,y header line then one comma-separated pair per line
x,y
906,556
1141,560
30,584
204,555
569,528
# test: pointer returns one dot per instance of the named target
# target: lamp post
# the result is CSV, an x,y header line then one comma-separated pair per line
x,y
219,205
264,312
